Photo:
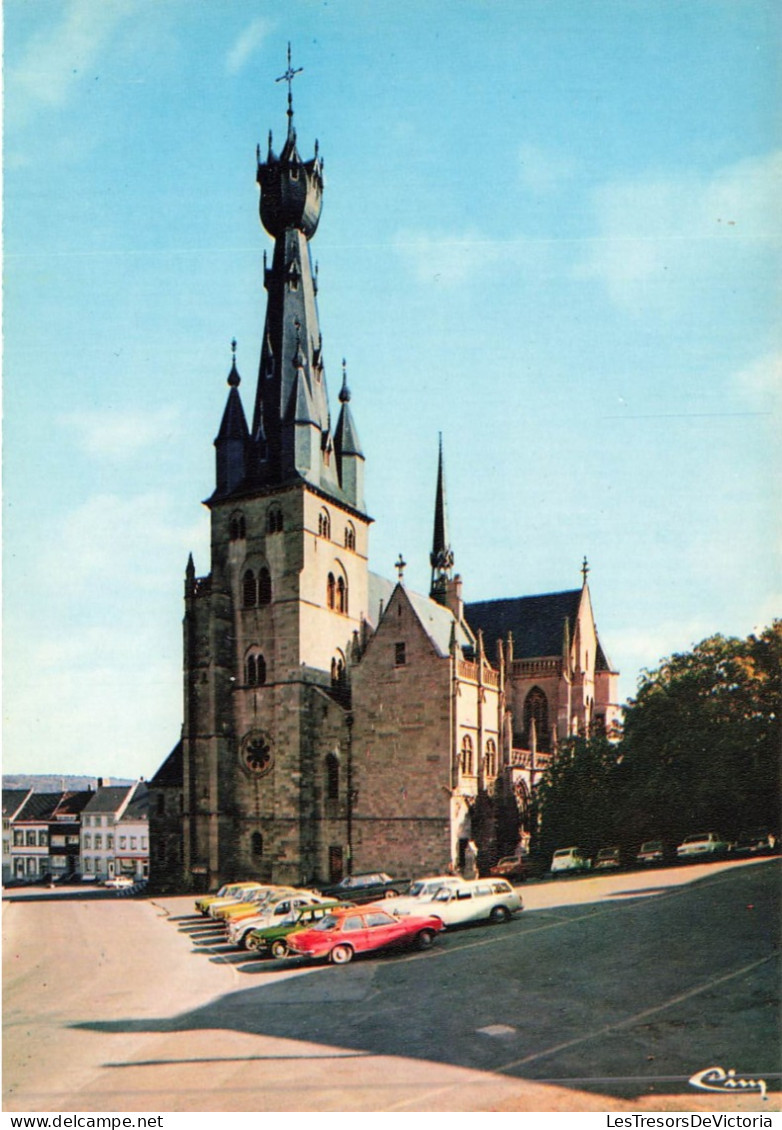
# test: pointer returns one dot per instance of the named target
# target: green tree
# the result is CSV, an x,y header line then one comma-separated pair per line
x,y
576,799
701,741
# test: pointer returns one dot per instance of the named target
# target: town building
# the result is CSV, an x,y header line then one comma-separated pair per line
x,y
334,720
106,833
13,802
65,834
30,836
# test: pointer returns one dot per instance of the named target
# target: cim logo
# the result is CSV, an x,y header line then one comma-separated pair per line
x,y
727,1082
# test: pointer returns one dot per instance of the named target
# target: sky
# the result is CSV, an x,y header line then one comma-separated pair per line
x,y
548,232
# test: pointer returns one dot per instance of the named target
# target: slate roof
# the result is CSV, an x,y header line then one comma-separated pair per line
x,y
138,806
12,798
537,622
438,622
72,804
40,806
170,774
108,798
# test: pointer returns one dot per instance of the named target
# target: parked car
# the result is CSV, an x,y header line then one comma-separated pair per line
x,y
245,905
608,859
233,898
118,882
421,891
203,903
273,939
650,851
345,933
366,888
700,844
274,910
514,868
758,842
475,900
570,859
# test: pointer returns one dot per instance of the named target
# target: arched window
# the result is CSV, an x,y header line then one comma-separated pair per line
x,y
467,765
342,595
264,586
324,524
236,527
255,670
536,710
332,777
249,590
490,759
350,536
274,521
331,586
256,845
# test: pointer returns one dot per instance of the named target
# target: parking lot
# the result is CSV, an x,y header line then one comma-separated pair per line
x,y
606,993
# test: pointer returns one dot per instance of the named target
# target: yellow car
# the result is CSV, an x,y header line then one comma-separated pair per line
x,y
203,903
247,904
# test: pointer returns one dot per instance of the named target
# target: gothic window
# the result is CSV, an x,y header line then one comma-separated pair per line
x,y
332,777
264,586
236,527
256,844
342,595
331,586
274,521
490,760
467,764
400,654
338,671
255,670
350,536
536,710
324,524
249,590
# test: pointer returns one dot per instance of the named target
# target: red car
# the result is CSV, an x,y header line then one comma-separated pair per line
x,y
360,930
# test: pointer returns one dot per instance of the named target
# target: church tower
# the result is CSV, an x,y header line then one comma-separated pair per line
x,y
270,631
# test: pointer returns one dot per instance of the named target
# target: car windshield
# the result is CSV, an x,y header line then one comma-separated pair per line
x,y
696,839
651,845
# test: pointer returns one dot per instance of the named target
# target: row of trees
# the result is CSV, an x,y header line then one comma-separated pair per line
x,y
699,751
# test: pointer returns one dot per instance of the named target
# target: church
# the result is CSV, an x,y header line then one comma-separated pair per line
x,y
335,721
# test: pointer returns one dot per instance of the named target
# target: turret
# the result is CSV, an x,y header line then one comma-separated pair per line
x,y
347,448
232,438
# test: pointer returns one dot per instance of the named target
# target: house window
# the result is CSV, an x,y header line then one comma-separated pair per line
x,y
249,590
99,843
18,838
30,839
132,843
274,521
143,843
87,863
400,654
264,587
43,839
122,842
324,524
350,536
467,763
332,777
110,843
88,841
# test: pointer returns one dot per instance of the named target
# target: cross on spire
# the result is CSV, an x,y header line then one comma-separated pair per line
x,y
400,566
585,570
288,77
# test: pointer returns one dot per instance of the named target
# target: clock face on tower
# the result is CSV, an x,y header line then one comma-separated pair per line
x,y
257,753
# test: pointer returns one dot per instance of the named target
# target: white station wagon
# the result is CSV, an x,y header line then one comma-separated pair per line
x,y
421,892
475,900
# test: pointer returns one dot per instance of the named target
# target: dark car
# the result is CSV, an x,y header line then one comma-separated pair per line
x,y
757,842
608,859
366,888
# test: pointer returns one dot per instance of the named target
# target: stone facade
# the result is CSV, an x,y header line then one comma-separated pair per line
x,y
335,722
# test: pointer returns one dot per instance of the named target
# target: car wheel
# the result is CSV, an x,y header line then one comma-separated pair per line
x,y
499,914
391,894
242,943
341,955
279,949
425,939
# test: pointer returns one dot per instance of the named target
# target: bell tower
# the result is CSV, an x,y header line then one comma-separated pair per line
x,y
269,632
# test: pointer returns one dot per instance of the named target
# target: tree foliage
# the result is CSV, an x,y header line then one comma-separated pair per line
x,y
700,750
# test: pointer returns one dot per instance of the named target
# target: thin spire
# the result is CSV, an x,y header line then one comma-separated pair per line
x,y
441,557
234,380
585,570
288,77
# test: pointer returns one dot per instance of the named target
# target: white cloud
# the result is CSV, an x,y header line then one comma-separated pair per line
x,y
61,55
669,230
445,260
246,45
120,434
541,171
760,383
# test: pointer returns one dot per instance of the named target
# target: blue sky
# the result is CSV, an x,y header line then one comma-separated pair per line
x,y
548,232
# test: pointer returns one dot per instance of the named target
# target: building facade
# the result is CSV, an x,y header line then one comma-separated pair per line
x,y
335,721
